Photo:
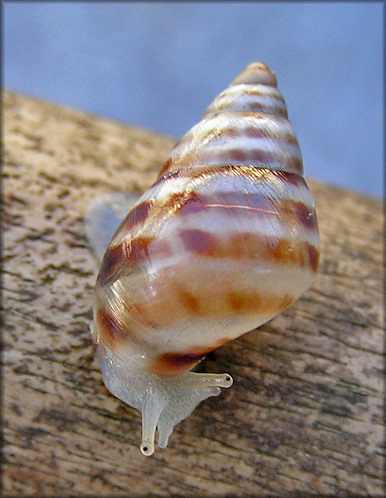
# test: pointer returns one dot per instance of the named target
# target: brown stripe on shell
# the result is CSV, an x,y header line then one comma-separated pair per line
x,y
112,261
262,101
253,202
251,246
168,166
304,254
246,303
188,300
190,201
250,204
303,214
170,307
293,178
135,216
109,330
196,153
270,93
175,202
250,157
200,242
313,257
262,107
251,131
130,252
254,106
170,364
256,91
263,129
199,171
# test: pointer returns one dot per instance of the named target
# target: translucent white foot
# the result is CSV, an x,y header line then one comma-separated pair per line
x,y
162,402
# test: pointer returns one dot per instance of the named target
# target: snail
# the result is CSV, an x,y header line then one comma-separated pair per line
x,y
224,240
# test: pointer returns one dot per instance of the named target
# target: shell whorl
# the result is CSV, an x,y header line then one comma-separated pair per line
x,y
223,241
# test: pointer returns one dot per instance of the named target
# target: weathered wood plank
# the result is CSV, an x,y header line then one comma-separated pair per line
x,y
305,413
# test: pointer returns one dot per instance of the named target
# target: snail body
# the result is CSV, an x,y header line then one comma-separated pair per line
x,y
224,240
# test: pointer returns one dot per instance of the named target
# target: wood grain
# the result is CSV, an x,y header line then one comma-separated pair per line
x,y
305,412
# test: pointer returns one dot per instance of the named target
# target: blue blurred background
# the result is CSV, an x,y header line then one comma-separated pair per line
x,y
158,65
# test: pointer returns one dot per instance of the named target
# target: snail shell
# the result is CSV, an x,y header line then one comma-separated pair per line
x,y
224,240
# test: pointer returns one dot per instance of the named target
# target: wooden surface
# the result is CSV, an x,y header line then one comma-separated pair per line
x,y
305,410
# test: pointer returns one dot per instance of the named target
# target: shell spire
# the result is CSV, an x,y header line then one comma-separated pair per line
x,y
257,73
246,124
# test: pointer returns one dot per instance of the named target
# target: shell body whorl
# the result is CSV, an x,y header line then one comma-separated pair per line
x,y
223,241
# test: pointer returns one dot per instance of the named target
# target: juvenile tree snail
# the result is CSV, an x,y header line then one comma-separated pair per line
x,y
224,240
